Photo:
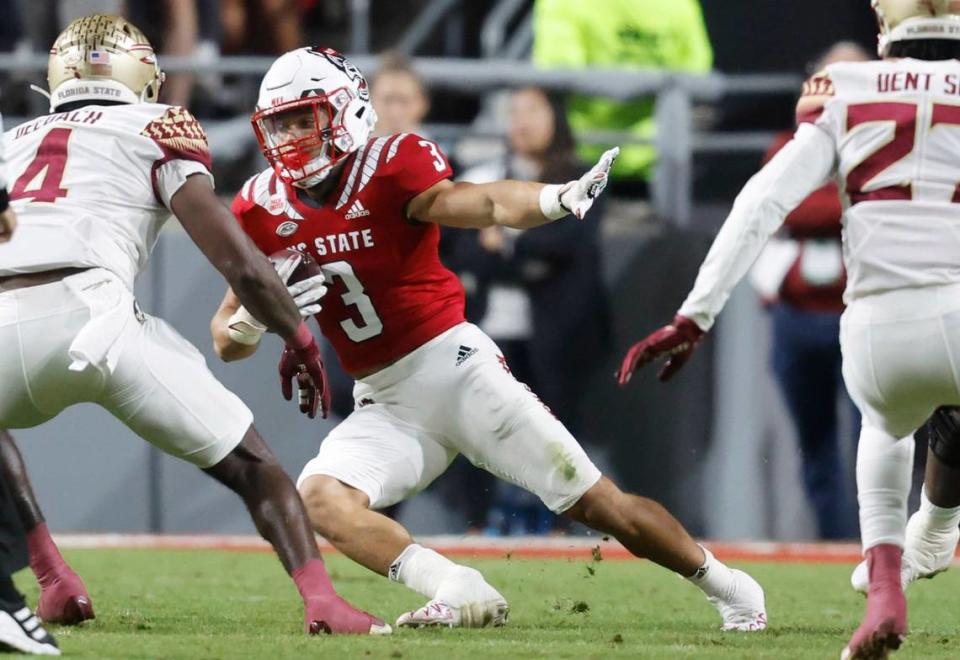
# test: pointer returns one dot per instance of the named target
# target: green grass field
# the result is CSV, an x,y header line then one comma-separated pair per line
x,y
207,604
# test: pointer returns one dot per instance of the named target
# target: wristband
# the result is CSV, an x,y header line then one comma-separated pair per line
x,y
301,338
4,200
244,329
550,205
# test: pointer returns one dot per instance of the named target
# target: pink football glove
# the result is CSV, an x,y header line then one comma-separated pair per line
x,y
301,360
675,342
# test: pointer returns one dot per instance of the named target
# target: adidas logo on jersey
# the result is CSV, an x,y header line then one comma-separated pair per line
x,y
464,353
357,210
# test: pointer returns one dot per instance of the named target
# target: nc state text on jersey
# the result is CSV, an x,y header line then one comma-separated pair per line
x,y
339,243
84,116
915,81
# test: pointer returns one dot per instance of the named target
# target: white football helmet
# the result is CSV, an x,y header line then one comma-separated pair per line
x,y
102,58
314,110
902,20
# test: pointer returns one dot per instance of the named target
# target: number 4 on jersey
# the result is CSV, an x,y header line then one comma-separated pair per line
x,y
47,166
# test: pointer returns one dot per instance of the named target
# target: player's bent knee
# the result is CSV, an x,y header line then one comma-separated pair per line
x,y
330,503
594,507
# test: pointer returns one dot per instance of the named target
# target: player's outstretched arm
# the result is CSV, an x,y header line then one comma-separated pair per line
x,y
801,167
519,204
250,274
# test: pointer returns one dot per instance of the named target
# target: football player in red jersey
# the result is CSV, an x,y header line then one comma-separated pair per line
x,y
428,384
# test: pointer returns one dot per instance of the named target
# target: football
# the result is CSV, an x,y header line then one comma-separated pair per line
x,y
307,267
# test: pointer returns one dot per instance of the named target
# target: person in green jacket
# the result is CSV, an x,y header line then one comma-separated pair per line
x,y
641,34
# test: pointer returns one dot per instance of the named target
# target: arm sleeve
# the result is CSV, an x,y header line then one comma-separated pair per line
x,y
172,174
420,164
801,167
180,137
818,216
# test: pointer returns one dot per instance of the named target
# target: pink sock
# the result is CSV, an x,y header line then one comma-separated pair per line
x,y
884,563
312,579
46,562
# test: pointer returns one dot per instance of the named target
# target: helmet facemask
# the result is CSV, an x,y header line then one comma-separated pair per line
x,y
333,119
304,139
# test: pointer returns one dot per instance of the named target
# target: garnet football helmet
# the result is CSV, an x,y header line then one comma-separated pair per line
x,y
109,51
902,20
314,110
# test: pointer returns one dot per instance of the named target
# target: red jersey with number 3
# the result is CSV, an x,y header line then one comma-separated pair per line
x,y
90,186
388,293
895,128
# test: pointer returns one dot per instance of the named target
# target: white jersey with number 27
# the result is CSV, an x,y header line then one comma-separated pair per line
x,y
92,187
889,131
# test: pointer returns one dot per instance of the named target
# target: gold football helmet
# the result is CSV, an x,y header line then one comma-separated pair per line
x,y
902,20
103,58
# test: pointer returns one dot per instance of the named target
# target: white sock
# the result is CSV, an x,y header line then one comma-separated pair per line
x,y
421,569
937,519
715,578
884,469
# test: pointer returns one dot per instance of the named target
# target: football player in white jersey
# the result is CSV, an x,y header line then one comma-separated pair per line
x,y
20,631
889,131
92,184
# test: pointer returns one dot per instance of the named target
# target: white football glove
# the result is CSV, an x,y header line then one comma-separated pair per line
x,y
306,293
243,328
577,197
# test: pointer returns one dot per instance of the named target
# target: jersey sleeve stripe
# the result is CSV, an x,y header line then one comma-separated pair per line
x,y
371,162
809,116
348,188
396,145
260,193
247,191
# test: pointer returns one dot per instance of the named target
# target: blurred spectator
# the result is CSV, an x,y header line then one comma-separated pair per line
x,y
189,28
545,302
261,26
638,34
399,96
801,277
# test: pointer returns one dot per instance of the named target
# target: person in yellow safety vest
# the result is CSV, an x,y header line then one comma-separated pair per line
x,y
641,34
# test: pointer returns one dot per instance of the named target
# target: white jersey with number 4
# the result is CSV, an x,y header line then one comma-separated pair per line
x,y
91,187
889,131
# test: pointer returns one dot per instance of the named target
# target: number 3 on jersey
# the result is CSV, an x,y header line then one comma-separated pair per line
x,y
356,296
438,163
50,162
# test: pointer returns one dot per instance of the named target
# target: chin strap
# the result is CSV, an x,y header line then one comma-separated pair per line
x,y
41,90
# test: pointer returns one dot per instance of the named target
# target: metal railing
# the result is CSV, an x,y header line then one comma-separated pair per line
x,y
676,93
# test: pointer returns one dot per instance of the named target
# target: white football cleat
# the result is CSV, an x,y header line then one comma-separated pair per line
x,y
21,632
925,555
743,608
462,601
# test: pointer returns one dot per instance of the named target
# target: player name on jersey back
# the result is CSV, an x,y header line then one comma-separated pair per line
x,y
89,115
896,129
918,81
